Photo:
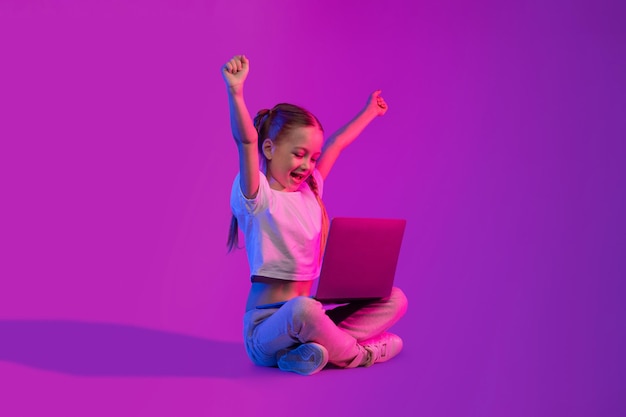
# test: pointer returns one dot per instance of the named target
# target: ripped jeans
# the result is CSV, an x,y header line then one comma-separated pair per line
x,y
302,319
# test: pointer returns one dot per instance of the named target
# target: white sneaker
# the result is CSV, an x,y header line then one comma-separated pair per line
x,y
306,359
382,348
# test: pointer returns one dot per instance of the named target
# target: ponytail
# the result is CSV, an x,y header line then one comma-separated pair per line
x,y
325,220
233,234
262,123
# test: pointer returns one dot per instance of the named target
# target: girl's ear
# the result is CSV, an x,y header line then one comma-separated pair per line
x,y
268,148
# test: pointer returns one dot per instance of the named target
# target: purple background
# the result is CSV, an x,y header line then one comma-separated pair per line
x,y
503,147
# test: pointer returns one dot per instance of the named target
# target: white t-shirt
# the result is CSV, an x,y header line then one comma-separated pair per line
x,y
281,229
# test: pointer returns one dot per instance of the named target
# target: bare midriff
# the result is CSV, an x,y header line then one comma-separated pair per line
x,y
270,290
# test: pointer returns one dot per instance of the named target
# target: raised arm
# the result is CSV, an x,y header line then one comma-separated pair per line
x,y
235,72
338,141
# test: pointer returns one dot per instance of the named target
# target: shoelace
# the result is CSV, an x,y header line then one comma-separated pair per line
x,y
383,350
377,351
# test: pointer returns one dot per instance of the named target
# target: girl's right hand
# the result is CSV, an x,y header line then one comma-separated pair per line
x,y
235,72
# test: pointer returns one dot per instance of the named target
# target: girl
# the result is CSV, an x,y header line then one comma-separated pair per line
x,y
276,201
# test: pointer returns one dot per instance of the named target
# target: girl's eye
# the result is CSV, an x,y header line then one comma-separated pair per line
x,y
297,155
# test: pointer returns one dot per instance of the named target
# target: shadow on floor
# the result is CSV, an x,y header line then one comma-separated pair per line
x,y
101,349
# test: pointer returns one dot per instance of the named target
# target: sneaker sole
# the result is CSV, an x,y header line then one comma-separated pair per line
x,y
306,359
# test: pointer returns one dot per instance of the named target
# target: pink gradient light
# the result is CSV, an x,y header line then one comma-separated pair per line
x,y
502,147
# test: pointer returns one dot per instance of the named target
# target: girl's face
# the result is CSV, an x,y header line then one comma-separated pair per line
x,y
292,159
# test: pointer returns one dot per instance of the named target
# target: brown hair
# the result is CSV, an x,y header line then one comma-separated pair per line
x,y
273,124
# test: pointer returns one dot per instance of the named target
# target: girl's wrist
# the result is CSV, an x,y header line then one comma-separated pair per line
x,y
235,90
369,113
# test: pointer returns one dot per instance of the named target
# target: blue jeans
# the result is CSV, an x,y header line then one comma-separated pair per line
x,y
341,331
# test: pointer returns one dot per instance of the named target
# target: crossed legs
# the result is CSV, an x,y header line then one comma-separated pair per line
x,y
303,319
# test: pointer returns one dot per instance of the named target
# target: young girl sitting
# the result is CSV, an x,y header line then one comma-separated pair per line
x,y
276,201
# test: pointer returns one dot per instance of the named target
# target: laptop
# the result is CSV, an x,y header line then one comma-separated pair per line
x,y
359,261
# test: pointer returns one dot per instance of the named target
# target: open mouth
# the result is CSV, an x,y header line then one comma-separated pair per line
x,y
298,177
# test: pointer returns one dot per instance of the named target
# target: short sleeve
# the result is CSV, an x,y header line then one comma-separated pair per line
x,y
239,204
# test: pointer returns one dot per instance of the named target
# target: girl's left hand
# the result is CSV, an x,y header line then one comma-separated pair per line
x,y
376,103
